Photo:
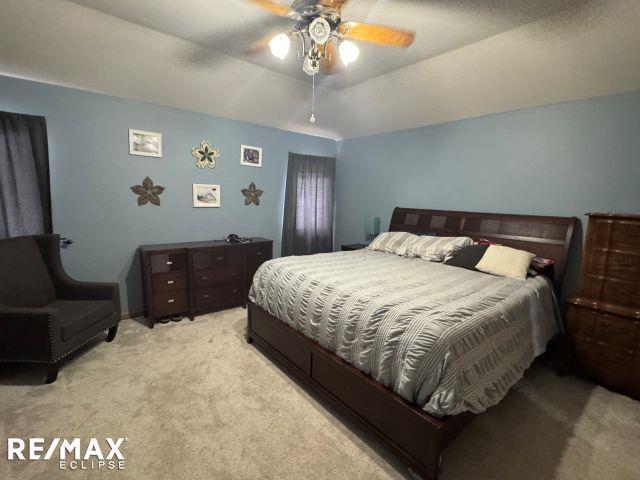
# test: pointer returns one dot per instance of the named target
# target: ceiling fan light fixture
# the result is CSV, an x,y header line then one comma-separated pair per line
x,y
349,52
280,45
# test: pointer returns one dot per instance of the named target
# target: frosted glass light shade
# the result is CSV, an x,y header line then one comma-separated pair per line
x,y
349,52
279,45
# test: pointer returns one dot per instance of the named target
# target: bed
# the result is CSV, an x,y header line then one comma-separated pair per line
x,y
411,349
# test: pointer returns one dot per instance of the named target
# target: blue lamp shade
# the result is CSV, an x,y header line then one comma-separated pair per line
x,y
372,227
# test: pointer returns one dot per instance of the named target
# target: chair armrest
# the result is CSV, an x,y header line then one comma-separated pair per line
x,y
70,289
27,334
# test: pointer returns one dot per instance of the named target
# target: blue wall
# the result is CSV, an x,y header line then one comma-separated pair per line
x,y
565,159
91,171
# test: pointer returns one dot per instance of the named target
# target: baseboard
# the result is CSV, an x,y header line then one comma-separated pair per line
x,y
130,315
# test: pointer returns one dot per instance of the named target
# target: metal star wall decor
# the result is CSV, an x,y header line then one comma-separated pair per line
x,y
251,194
147,192
205,155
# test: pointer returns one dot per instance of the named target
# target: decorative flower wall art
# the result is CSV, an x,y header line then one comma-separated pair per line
x,y
147,192
251,194
205,155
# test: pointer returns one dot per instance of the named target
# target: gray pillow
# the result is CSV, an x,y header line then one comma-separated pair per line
x,y
24,279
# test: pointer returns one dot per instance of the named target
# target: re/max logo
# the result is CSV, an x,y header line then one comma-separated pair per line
x,y
73,448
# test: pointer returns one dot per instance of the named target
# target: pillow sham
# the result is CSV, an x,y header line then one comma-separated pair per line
x,y
506,262
468,257
390,242
434,249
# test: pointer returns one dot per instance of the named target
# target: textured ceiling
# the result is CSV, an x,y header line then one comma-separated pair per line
x,y
471,58
229,27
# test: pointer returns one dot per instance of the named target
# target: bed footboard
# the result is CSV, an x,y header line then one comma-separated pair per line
x,y
416,437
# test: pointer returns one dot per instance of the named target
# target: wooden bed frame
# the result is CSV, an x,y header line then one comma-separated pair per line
x,y
416,437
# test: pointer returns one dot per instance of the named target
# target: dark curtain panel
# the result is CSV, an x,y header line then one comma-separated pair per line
x,y
25,198
308,205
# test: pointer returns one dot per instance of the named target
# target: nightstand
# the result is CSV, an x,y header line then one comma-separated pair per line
x,y
353,246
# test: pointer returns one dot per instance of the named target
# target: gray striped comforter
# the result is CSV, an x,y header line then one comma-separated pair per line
x,y
444,338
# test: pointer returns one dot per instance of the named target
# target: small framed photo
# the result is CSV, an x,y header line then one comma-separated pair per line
x,y
206,196
147,144
250,156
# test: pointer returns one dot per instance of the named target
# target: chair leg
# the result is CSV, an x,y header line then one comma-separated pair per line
x,y
52,372
112,333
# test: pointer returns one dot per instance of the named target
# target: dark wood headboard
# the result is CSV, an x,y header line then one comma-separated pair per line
x,y
547,237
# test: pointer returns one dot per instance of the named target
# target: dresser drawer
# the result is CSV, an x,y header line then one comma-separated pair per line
x,y
217,257
205,278
623,265
581,321
612,290
169,282
608,232
168,262
620,332
259,253
611,366
219,295
170,302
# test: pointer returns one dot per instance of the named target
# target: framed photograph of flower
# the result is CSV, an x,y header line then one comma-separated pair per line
x,y
147,144
250,156
206,196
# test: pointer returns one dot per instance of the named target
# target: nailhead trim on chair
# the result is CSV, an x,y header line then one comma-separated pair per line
x,y
64,354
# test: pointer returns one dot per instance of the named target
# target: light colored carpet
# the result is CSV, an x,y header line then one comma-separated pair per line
x,y
195,401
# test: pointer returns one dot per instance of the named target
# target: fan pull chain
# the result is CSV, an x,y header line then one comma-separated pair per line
x,y
312,118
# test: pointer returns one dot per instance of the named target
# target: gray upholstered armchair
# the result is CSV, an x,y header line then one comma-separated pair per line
x,y
44,314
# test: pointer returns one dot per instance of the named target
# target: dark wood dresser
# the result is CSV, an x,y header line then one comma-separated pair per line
x,y
603,320
194,278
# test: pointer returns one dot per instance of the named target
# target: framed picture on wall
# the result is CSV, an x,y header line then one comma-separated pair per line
x,y
206,195
250,156
147,144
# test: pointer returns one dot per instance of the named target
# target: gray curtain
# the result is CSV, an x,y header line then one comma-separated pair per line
x,y
308,205
25,198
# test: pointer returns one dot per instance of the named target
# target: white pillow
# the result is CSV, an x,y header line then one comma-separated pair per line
x,y
434,249
505,261
390,242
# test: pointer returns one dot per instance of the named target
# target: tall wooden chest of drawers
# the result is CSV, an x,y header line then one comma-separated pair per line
x,y
603,321
193,278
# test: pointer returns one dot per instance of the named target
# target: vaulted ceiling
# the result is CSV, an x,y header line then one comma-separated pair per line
x,y
470,58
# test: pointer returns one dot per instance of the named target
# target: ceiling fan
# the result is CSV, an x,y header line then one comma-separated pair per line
x,y
318,25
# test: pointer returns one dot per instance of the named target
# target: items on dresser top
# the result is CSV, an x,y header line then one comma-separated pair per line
x,y
603,321
193,278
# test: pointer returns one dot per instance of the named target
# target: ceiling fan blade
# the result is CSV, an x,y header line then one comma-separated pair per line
x,y
378,34
259,46
273,7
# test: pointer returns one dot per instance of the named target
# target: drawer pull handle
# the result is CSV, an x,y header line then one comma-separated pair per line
x,y
204,278
169,263
233,274
219,258
171,300
169,282
205,296
235,290
259,254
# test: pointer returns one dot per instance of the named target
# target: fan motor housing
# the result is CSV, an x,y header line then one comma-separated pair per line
x,y
308,10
